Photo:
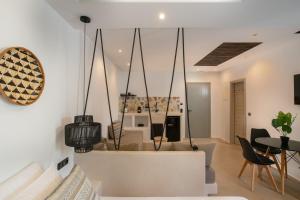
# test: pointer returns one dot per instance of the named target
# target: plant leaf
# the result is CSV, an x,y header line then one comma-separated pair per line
x,y
287,129
275,123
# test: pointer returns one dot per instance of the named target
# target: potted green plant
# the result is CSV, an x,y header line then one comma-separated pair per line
x,y
283,124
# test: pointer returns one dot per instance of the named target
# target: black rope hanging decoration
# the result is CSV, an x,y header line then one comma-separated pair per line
x,y
194,147
170,90
117,145
107,90
127,87
157,148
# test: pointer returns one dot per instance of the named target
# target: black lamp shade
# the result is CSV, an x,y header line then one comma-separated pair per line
x,y
83,133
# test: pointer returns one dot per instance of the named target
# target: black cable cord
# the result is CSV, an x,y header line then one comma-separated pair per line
x,y
127,86
194,147
91,72
84,43
170,91
107,89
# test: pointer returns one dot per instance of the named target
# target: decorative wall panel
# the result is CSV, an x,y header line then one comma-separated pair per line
x,y
22,77
134,102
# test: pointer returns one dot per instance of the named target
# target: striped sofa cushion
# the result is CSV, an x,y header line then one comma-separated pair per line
x,y
75,187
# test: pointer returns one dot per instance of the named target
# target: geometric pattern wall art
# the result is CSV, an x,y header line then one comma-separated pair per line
x,y
22,77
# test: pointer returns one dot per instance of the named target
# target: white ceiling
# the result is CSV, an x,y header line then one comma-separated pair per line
x,y
207,26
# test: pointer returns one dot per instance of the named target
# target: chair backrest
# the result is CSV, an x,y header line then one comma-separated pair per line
x,y
248,152
258,133
117,130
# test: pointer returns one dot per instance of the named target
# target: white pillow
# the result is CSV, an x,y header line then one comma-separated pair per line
x,y
42,187
20,180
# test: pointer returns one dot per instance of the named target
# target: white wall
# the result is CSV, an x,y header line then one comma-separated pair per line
x,y
269,89
159,84
35,132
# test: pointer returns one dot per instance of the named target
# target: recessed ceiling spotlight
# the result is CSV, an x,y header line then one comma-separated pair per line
x,y
128,64
198,70
120,50
162,16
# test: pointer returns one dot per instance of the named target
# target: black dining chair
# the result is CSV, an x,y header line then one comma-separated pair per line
x,y
255,159
267,151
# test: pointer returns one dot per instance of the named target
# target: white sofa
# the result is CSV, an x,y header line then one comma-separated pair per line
x,y
145,173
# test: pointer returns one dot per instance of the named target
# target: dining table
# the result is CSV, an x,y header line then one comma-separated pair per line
x,y
292,145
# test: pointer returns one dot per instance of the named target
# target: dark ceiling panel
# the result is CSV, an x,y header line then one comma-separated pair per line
x,y
297,32
225,52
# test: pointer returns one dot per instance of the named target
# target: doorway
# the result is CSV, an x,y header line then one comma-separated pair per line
x,y
199,99
237,111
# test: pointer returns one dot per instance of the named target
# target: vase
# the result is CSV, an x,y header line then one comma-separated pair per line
x,y
284,141
139,109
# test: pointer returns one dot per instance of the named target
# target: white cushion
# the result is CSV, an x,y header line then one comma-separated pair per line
x,y
42,187
20,181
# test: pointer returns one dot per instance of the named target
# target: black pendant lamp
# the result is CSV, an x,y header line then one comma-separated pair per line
x,y
84,132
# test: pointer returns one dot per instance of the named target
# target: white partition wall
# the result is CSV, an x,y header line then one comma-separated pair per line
x,y
142,174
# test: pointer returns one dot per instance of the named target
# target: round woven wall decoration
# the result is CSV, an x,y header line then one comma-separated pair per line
x,y
22,77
